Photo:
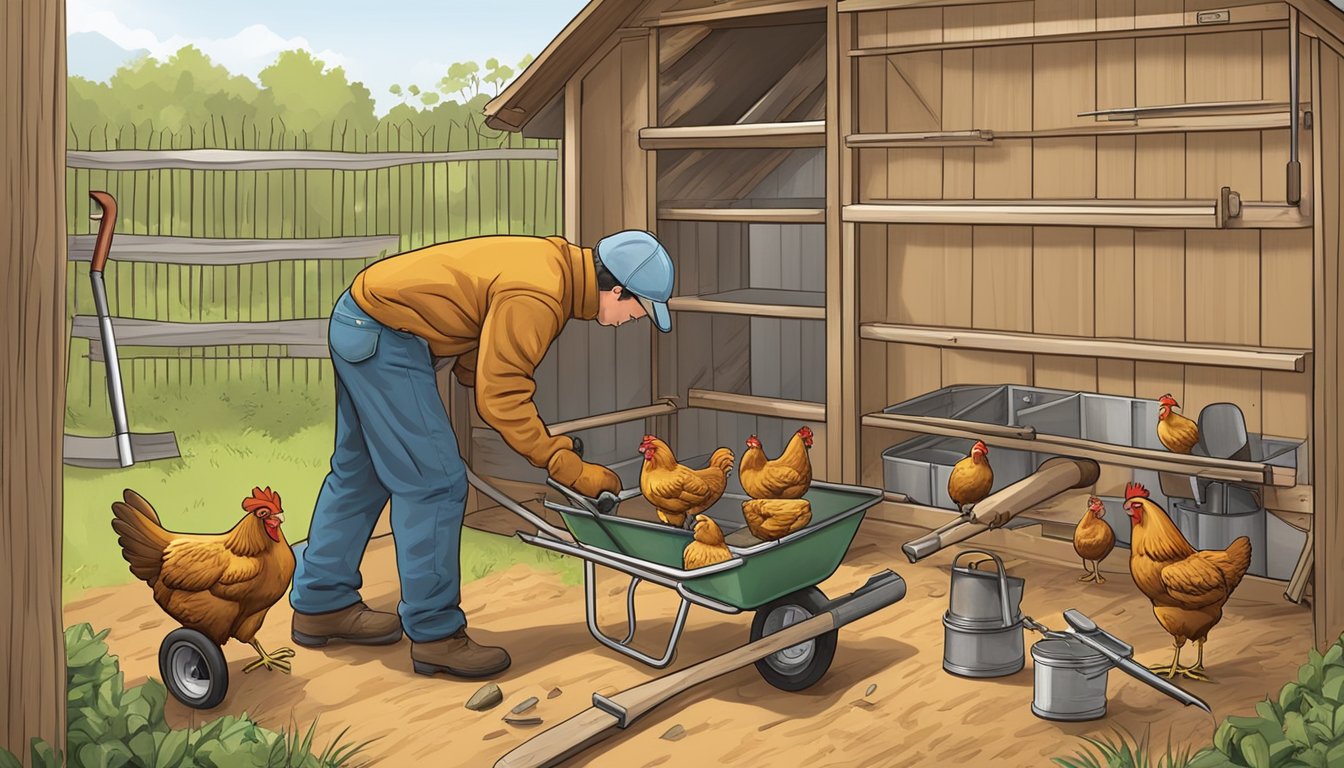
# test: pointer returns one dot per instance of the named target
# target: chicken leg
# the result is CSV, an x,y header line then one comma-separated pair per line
x,y
1093,573
1197,671
278,659
1170,671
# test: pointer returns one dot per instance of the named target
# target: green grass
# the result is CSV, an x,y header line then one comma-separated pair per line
x,y
1124,750
232,438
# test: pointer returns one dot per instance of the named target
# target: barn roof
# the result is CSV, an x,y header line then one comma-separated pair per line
x,y
537,88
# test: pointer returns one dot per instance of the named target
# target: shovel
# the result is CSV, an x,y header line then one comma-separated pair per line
x,y
123,448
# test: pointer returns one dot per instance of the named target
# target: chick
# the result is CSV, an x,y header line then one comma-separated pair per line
x,y
708,547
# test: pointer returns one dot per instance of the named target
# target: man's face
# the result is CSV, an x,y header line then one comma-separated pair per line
x,y
612,309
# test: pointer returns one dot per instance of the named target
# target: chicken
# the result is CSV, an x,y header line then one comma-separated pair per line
x,y
1176,432
676,491
771,519
787,477
1093,539
708,546
971,478
1187,587
220,585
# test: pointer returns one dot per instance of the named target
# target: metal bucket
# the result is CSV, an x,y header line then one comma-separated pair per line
x,y
982,629
982,599
1070,680
975,650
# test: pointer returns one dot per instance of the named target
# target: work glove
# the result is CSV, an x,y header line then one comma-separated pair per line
x,y
588,479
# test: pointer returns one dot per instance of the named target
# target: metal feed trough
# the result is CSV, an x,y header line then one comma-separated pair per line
x,y
776,579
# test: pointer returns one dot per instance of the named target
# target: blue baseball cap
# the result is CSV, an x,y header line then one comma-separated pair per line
x,y
641,264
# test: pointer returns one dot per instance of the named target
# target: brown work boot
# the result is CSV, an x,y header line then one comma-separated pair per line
x,y
460,656
359,624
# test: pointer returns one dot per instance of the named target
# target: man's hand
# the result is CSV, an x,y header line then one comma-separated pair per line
x,y
588,479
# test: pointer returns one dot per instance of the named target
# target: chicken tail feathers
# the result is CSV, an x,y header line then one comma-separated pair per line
x,y
722,459
141,537
1237,562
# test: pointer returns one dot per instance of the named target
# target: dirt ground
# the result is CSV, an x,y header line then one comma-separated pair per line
x,y
918,714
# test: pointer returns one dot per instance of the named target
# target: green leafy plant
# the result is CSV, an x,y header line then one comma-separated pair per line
x,y
111,726
1123,750
1303,727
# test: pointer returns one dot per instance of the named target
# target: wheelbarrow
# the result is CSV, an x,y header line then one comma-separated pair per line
x,y
776,579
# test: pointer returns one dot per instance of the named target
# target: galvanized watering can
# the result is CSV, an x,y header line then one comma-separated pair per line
x,y
982,629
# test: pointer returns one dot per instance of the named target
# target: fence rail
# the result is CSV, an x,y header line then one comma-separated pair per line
x,y
284,160
202,251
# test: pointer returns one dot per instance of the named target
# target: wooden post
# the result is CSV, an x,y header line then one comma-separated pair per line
x,y
32,373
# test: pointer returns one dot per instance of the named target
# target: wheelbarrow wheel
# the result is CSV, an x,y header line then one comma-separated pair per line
x,y
193,669
800,666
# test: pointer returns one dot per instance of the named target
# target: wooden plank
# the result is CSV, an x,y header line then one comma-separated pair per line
x,y
855,6
1224,67
1113,295
756,302
1149,26
803,133
928,270
1205,385
841,410
1064,84
1285,281
1147,126
1222,287
962,366
662,408
1002,278
1219,160
277,159
1257,358
733,9
1061,17
1159,266
131,332
221,252
987,21
1063,288
1108,453
758,406
1148,214
748,215
570,167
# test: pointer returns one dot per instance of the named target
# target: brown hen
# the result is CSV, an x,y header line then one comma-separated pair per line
x,y
1093,539
971,478
1176,432
677,491
708,546
771,519
787,477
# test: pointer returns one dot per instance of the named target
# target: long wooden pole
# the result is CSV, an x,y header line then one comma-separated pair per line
x,y
32,372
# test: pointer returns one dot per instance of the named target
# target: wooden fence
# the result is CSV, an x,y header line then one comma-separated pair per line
x,y
222,230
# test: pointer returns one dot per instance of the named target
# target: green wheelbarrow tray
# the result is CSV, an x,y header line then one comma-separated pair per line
x,y
776,579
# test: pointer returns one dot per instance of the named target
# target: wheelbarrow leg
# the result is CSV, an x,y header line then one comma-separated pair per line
x,y
623,646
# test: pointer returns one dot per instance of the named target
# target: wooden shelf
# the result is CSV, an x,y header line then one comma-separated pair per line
x,y
756,302
807,133
1243,19
775,407
1156,125
663,407
1027,439
673,212
1258,358
1139,214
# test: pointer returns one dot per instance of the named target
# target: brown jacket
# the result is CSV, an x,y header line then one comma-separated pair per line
x,y
496,304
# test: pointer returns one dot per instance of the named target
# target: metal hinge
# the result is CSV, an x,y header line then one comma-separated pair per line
x,y
1228,207
1214,17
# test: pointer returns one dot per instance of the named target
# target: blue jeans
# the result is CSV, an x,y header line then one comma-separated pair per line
x,y
393,439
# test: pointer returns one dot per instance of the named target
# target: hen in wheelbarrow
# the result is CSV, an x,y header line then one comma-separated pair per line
x,y
775,579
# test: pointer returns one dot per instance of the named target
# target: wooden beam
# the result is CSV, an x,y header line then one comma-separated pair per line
x,y
221,252
1142,127
1146,214
570,166
787,96
756,302
1257,358
775,407
157,333
734,9
663,407
282,160
804,133
1191,110
855,6
1106,453
1244,19
842,381
747,215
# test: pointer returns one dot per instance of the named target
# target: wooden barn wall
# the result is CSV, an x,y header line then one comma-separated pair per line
x,y
593,369
1241,287
1328,531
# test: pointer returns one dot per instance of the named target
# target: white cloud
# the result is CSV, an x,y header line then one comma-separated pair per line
x,y
247,52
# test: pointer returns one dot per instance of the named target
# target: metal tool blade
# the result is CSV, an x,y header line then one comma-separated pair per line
x,y
1110,646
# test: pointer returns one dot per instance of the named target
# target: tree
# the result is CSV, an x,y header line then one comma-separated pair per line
x,y
32,374
309,97
497,74
461,76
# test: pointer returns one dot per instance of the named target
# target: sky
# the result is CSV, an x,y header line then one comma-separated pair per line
x,y
402,42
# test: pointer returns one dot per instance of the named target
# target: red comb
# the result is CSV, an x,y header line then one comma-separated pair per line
x,y
262,499
1135,490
